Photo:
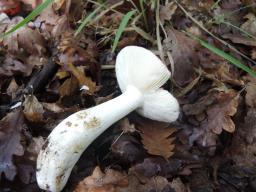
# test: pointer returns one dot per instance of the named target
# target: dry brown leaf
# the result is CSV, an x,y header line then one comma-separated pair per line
x,y
69,86
114,181
184,56
156,138
102,182
12,88
83,80
33,109
253,53
250,24
34,147
24,40
200,106
167,11
12,66
219,114
240,39
10,128
126,126
243,148
54,107
225,74
250,97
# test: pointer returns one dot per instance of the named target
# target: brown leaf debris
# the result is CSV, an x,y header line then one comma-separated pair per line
x,y
156,138
219,115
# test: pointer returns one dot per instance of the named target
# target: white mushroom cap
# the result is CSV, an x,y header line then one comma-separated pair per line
x,y
139,67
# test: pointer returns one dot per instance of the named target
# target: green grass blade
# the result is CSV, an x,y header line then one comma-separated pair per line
x,y
30,17
224,55
88,19
122,27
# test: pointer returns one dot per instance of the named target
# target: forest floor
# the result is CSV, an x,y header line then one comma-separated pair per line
x,y
212,145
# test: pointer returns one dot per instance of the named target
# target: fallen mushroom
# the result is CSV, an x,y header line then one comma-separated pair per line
x,y
140,75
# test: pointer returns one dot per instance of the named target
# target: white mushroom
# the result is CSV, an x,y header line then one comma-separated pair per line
x,y
140,75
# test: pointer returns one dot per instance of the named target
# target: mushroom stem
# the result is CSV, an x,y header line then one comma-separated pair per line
x,y
72,136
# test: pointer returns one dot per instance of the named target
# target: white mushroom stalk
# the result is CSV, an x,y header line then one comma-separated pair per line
x,y
140,75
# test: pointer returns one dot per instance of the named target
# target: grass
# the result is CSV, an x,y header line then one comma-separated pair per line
x,y
88,19
121,28
224,55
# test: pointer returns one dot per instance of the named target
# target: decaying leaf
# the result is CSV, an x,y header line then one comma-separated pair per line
x,y
200,106
156,138
12,66
25,40
69,86
82,79
12,88
115,181
103,182
167,11
33,109
250,97
126,126
243,148
250,25
219,114
184,56
10,128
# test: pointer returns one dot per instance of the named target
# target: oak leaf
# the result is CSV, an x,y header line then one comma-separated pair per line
x,y
219,114
102,182
33,109
82,79
115,181
250,97
156,138
10,128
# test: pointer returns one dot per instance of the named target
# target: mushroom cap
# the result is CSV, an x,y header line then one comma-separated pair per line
x,y
140,68
160,105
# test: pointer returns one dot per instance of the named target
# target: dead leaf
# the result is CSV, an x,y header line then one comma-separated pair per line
x,y
250,25
115,181
12,88
126,126
54,107
250,97
10,128
178,186
153,166
33,109
25,40
243,148
167,11
156,138
219,114
102,182
83,80
199,106
240,39
13,66
34,147
69,86
184,56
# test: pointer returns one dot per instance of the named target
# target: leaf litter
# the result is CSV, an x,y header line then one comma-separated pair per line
x,y
210,148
